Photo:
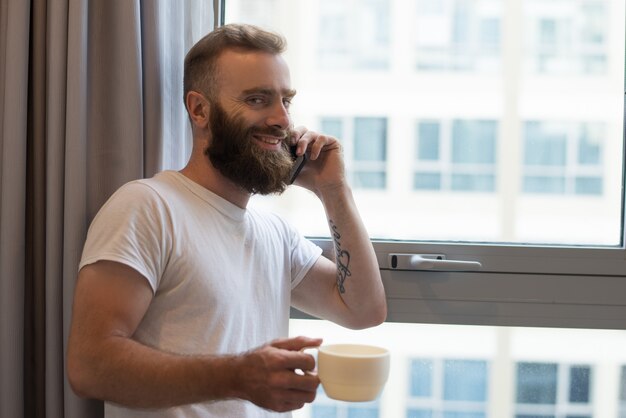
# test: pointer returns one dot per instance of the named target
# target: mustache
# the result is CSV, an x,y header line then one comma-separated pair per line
x,y
283,134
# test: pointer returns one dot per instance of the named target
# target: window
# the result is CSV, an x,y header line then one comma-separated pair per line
x,y
365,148
562,158
474,125
483,142
551,389
447,388
443,371
622,393
324,407
457,156
568,36
457,35
354,35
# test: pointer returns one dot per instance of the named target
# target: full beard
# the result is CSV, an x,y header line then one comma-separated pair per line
x,y
233,152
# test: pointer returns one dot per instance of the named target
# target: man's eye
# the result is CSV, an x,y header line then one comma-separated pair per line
x,y
287,103
256,100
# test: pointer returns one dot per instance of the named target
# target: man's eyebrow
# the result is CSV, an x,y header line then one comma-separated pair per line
x,y
269,92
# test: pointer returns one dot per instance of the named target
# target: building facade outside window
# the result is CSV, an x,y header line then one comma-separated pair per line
x,y
486,130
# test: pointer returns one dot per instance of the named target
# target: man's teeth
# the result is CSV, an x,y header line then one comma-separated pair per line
x,y
271,141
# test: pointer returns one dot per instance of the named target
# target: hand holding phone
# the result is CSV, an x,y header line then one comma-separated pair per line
x,y
298,163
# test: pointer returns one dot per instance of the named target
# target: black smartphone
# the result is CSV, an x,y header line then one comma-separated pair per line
x,y
298,163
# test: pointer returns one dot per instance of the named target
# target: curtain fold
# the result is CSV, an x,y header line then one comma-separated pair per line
x,y
90,98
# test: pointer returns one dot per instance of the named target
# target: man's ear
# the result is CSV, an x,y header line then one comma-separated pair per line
x,y
198,108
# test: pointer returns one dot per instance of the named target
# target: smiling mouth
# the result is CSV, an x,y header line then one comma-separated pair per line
x,y
270,140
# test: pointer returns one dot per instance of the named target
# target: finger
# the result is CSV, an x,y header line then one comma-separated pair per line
x,y
294,360
289,380
303,138
319,144
296,134
296,343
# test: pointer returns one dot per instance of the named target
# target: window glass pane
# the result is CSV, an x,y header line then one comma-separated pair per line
x,y
419,413
622,384
421,377
323,411
449,414
428,141
590,145
523,115
579,384
544,184
332,127
369,180
427,181
545,145
362,412
465,380
534,416
354,37
370,139
536,383
474,142
589,185
473,182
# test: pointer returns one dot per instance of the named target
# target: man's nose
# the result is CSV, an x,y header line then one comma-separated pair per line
x,y
279,117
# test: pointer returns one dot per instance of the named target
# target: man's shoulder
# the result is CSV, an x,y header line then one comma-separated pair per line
x,y
149,188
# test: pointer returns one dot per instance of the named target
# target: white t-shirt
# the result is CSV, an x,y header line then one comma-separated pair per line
x,y
222,275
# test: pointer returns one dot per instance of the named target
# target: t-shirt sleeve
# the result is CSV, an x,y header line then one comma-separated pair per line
x,y
304,254
131,228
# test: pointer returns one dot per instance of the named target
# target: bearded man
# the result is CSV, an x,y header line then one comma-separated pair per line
x,y
182,301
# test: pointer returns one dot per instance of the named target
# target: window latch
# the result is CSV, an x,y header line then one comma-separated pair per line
x,y
436,262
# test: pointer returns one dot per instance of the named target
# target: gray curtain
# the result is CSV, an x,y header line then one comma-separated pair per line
x,y
90,98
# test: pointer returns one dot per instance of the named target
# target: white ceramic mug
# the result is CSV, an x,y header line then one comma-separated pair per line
x,y
352,372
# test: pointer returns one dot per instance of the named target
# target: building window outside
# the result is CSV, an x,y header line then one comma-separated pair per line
x,y
553,390
458,35
354,35
365,149
325,407
456,156
447,388
569,36
563,158
622,393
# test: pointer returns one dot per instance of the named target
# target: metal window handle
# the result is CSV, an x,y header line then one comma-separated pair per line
x,y
436,262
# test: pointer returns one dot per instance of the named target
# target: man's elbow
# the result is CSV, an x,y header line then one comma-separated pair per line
x,y
371,317
78,376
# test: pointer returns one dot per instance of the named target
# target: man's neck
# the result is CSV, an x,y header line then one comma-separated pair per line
x,y
211,179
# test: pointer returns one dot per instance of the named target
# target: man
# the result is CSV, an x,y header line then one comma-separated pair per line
x,y
182,300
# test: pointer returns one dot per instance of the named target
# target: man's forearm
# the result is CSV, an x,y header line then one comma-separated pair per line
x,y
358,276
123,371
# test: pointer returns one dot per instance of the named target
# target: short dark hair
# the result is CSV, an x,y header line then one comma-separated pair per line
x,y
200,61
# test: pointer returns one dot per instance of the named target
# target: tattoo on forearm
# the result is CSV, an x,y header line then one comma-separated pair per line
x,y
342,258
